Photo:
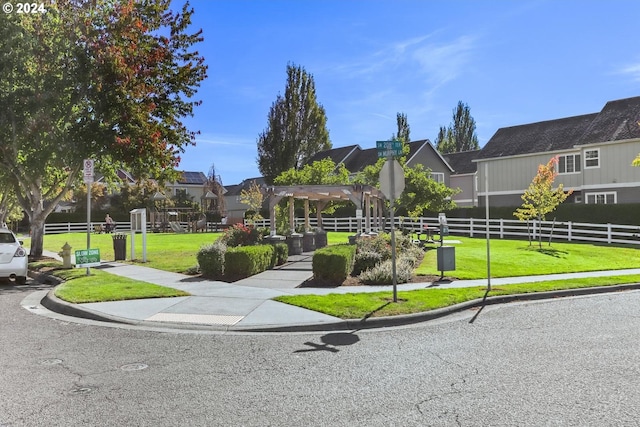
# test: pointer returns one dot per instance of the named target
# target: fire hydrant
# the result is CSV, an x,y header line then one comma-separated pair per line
x,y
66,255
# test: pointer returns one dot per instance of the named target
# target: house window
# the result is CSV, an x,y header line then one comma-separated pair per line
x,y
592,158
438,177
605,198
569,163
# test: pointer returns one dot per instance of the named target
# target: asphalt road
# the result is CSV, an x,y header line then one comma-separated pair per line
x,y
566,362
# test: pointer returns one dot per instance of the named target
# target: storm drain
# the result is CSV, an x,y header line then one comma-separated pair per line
x,y
204,319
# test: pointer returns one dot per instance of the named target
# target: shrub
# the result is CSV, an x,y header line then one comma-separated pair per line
x,y
280,253
241,235
333,263
365,260
245,261
382,274
211,259
379,244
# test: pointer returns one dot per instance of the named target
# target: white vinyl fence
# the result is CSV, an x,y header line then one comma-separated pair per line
x,y
498,228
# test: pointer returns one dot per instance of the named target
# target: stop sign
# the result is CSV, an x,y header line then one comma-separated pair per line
x,y
392,172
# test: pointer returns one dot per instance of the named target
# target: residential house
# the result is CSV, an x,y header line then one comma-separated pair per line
x,y
594,153
235,208
190,184
355,159
464,177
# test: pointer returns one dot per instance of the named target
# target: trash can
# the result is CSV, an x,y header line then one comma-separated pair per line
x,y
309,242
295,244
119,246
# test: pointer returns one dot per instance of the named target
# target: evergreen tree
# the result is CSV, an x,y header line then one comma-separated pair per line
x,y
461,134
296,128
403,128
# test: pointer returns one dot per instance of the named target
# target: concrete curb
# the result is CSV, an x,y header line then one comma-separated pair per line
x,y
51,302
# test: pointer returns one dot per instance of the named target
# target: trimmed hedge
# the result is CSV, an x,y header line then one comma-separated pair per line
x,y
333,263
245,261
280,253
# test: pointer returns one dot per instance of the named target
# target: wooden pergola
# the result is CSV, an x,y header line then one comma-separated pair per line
x,y
366,198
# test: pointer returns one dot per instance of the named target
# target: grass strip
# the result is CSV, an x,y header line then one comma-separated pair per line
x,y
101,286
377,304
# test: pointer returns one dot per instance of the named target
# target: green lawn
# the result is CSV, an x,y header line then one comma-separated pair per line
x,y
376,304
177,252
517,258
100,286
165,251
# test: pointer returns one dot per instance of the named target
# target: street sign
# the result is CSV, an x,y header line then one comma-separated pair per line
x,y
389,149
88,171
391,191
87,258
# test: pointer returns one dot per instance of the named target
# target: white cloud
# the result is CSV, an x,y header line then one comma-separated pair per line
x,y
632,71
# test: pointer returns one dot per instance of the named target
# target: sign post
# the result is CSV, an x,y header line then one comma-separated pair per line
x,y
391,185
88,180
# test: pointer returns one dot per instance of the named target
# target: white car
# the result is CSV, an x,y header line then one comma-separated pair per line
x,y
13,257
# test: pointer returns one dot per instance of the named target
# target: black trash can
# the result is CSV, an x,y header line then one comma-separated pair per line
x,y
119,247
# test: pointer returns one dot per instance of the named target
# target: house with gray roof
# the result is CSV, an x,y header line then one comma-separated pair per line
x,y
464,177
355,159
594,154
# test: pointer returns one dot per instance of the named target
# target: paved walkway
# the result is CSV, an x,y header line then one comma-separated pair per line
x,y
246,305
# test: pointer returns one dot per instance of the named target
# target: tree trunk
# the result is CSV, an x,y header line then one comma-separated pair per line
x,y
37,237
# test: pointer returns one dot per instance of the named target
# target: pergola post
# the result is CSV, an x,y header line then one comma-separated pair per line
x,y
367,208
306,216
292,218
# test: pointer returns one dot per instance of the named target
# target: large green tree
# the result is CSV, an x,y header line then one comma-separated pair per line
x,y
461,133
404,129
296,129
102,79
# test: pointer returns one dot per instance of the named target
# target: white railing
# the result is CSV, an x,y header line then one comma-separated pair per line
x,y
472,227
498,228
123,227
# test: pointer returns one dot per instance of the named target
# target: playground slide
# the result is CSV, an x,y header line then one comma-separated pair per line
x,y
176,227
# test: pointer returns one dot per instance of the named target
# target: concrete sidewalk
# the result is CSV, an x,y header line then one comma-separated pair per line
x,y
246,305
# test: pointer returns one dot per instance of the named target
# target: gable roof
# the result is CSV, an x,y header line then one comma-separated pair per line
x,y
355,159
616,121
337,155
236,189
462,162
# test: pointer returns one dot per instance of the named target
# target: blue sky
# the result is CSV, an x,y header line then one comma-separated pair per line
x,y
512,62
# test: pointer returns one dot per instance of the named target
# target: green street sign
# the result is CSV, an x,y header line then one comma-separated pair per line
x,y
389,149
87,258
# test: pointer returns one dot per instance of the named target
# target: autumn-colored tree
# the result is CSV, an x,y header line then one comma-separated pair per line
x,y
541,198
95,79
252,197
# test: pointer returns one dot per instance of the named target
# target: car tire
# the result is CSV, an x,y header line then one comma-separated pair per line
x,y
21,280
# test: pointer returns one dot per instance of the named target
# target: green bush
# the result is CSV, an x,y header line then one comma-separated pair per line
x,y
245,261
365,260
280,253
241,235
333,263
382,274
211,259
379,244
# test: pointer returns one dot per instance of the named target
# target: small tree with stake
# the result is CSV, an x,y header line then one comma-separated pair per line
x,y
541,198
